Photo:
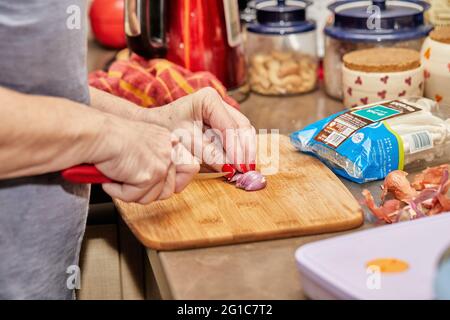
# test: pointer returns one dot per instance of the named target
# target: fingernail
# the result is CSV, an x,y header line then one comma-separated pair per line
x,y
228,168
252,166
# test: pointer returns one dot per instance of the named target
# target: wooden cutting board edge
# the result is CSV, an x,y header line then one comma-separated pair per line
x,y
356,222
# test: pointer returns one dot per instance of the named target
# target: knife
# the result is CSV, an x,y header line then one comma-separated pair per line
x,y
87,173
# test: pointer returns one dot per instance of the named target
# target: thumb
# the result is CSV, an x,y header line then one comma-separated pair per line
x,y
186,165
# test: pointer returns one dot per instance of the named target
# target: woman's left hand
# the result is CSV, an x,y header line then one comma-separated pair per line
x,y
214,132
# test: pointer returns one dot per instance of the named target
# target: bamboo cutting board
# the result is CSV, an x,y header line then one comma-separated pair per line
x,y
304,197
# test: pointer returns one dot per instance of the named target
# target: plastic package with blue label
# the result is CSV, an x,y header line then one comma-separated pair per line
x,y
367,142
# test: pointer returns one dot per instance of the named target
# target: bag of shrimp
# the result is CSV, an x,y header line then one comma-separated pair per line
x,y
367,142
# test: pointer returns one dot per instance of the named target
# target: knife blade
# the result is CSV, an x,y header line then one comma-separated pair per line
x,y
86,173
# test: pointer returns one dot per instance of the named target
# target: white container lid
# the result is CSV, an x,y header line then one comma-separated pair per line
x,y
336,267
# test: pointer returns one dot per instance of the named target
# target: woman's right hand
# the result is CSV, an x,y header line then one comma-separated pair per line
x,y
142,157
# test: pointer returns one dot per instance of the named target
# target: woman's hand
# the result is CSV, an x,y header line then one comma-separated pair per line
x,y
143,157
63,133
213,131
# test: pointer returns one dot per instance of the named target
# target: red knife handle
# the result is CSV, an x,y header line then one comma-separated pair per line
x,y
85,173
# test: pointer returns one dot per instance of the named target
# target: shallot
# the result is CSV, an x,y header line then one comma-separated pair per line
x,y
235,177
249,181
397,183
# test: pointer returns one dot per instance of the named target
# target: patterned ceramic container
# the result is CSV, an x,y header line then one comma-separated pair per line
x,y
362,88
435,58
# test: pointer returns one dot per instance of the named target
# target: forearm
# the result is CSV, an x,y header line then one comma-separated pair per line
x,y
41,134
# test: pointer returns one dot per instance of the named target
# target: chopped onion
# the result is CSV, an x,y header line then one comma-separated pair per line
x,y
235,177
250,181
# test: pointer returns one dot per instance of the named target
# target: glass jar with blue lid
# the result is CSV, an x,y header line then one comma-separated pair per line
x,y
366,24
281,48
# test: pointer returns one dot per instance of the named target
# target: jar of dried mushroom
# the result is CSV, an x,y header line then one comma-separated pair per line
x,y
281,49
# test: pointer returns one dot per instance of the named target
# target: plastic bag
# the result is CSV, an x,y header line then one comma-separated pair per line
x,y
367,142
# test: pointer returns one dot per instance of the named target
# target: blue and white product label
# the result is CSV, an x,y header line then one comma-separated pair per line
x,y
357,144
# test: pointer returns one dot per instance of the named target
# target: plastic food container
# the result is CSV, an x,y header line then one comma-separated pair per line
x,y
371,75
281,48
436,61
367,24
380,263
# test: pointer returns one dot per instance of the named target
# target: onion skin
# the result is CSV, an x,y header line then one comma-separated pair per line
x,y
426,196
251,181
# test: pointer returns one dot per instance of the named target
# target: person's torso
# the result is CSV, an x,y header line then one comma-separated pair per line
x,y
42,51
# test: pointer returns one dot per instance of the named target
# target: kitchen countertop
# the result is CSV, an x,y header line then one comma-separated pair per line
x,y
259,270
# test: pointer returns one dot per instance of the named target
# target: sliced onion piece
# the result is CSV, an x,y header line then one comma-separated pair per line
x,y
235,177
251,181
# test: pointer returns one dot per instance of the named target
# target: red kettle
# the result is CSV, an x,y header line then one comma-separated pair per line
x,y
200,35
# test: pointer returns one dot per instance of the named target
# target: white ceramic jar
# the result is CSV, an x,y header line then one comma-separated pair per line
x,y
378,74
435,56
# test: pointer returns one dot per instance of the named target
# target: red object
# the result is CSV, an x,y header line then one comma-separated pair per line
x,y
107,18
228,168
243,167
195,37
85,174
320,70
152,83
